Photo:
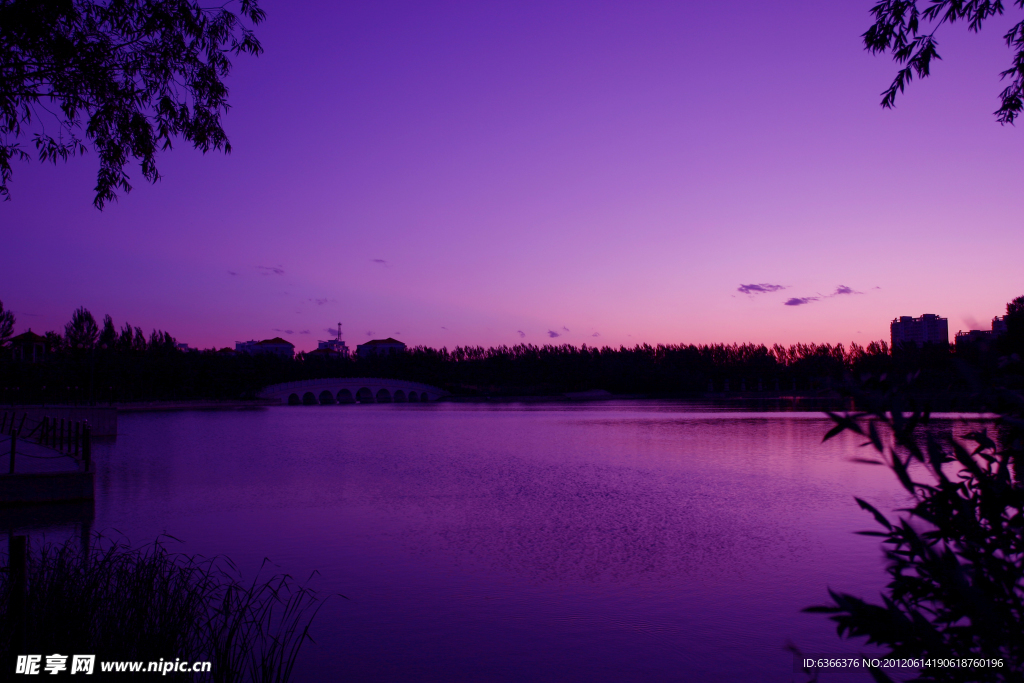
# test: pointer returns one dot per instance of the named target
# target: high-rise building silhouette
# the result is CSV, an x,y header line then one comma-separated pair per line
x,y
928,329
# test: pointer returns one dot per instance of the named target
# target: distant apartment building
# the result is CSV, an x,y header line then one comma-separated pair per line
x,y
276,346
981,339
928,329
378,347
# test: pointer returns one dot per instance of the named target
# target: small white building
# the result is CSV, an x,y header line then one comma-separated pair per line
x,y
377,347
334,345
276,346
28,347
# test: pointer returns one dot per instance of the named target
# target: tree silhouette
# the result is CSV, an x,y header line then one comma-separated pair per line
x,y
908,33
81,332
127,75
1015,325
109,335
6,324
124,341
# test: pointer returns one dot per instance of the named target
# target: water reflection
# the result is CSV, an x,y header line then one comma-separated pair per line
x,y
575,542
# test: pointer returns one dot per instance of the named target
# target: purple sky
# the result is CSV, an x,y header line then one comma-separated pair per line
x,y
496,173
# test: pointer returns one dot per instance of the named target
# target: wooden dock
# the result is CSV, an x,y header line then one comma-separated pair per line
x,y
102,419
49,460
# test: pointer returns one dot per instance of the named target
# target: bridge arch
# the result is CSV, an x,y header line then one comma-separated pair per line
x,y
364,395
414,397
399,396
309,399
326,398
345,396
383,396
294,400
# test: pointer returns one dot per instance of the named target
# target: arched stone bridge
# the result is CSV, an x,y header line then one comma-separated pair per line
x,y
351,390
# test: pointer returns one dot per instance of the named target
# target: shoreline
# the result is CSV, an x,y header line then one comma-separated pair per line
x,y
177,406
829,400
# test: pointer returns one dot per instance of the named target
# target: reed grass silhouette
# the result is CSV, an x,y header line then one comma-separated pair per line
x,y
145,604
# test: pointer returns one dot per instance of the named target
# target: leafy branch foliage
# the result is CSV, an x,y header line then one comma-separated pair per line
x,y
956,560
129,75
907,31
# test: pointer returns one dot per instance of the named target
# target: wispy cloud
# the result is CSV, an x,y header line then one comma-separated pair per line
x,y
321,302
304,332
277,329
763,288
840,290
443,327
271,270
522,335
231,272
596,334
565,328
379,261
553,334
370,333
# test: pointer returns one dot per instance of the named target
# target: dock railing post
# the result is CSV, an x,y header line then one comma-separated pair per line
x,y
86,445
16,561
78,438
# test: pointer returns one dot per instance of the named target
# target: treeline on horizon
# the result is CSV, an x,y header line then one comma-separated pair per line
x,y
103,364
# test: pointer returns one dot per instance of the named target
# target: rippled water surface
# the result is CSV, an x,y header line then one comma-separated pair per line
x,y
593,542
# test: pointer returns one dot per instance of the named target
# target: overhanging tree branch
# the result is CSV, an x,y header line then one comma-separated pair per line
x,y
898,30
132,74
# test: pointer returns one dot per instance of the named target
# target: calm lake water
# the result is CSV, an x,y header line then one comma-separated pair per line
x,y
639,541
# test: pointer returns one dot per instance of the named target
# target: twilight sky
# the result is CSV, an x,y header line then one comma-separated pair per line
x,y
567,172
